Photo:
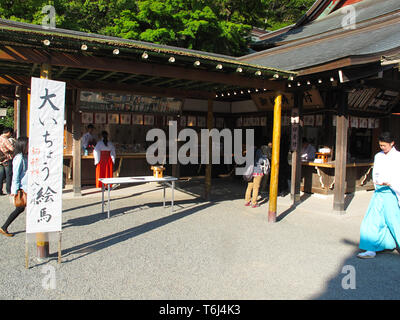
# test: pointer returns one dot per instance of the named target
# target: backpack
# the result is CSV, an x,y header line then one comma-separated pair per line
x,y
265,166
248,172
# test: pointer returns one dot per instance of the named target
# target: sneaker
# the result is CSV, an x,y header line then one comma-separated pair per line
x,y
6,233
367,255
247,204
255,205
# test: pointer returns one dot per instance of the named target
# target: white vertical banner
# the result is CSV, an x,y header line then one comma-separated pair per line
x,y
45,157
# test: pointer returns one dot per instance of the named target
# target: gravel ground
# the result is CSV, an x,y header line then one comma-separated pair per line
x,y
210,250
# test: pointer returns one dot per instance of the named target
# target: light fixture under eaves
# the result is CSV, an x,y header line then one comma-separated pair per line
x,y
84,47
196,63
171,59
145,55
46,42
219,66
258,73
239,69
116,51
276,76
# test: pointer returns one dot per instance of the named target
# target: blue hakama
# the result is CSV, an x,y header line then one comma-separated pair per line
x,y
380,228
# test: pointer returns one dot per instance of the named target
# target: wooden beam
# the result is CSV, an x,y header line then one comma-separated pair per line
x,y
135,67
127,78
61,72
342,124
76,145
84,74
106,76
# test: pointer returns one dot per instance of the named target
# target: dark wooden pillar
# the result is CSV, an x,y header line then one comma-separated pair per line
x,y
17,111
297,135
23,112
342,124
207,190
76,146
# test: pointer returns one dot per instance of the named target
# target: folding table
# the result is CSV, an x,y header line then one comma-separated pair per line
x,y
169,181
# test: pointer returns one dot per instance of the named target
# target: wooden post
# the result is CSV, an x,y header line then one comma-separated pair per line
x,y
23,112
342,124
42,242
296,153
76,147
207,190
17,111
276,140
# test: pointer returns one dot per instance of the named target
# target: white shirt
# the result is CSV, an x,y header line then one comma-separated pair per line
x,y
86,138
100,146
386,169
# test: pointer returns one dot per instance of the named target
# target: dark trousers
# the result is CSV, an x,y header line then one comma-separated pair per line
x,y
6,173
12,217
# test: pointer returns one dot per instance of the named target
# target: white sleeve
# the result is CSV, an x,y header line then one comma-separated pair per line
x,y
395,182
112,152
376,170
96,154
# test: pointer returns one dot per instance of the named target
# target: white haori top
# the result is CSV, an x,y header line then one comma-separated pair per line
x,y
100,146
387,169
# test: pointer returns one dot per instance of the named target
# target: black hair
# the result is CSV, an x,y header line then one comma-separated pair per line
x,y
105,137
90,126
386,137
21,146
7,130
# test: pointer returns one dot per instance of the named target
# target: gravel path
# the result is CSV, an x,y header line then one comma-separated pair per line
x,y
204,250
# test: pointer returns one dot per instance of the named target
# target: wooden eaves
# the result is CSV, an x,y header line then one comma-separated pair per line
x,y
24,47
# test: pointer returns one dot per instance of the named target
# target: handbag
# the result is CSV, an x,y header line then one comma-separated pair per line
x,y
20,198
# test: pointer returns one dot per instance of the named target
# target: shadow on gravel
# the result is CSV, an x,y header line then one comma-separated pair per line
x,y
118,211
105,199
107,241
364,279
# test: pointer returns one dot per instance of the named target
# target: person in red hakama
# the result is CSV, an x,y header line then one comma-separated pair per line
x,y
104,158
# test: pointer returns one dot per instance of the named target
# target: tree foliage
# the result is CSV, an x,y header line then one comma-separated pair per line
x,y
220,26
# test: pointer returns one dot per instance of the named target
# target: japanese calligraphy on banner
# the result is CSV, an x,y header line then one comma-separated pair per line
x,y
45,158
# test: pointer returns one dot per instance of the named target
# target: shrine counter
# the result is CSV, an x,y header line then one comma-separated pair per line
x,y
320,177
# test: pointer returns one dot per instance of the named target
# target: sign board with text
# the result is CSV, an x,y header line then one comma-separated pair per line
x,y
45,158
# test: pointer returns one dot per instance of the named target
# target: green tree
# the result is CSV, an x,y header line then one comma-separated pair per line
x,y
8,120
280,13
220,26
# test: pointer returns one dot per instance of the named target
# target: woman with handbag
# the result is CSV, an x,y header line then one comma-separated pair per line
x,y
19,184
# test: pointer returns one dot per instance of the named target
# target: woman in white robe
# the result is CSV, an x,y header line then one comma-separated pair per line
x,y
380,228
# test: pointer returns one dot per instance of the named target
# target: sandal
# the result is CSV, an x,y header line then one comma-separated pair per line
x,y
6,233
